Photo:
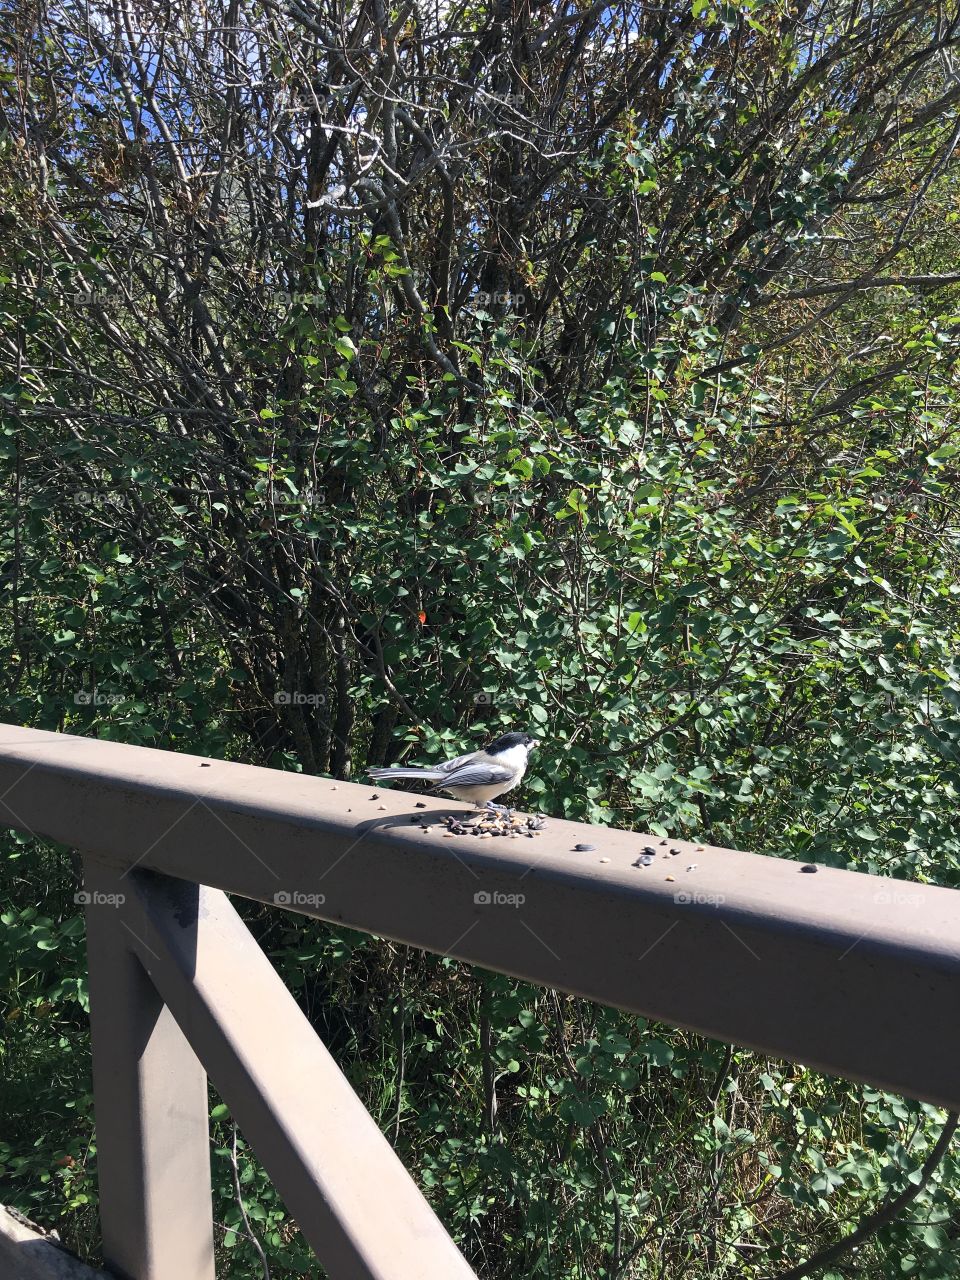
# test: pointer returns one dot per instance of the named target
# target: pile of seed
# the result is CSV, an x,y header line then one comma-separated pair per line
x,y
489,824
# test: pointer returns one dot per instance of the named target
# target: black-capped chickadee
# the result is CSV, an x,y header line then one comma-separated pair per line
x,y
478,777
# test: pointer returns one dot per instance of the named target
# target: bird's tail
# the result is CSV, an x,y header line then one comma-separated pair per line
x,y
428,775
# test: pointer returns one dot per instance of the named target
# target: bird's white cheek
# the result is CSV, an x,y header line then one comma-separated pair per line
x,y
515,758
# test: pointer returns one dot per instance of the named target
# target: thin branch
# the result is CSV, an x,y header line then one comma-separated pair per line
x,y
893,1205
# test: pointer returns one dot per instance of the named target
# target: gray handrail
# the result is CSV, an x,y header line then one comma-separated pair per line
x,y
843,971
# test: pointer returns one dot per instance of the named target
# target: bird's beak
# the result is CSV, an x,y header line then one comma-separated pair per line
x,y
534,743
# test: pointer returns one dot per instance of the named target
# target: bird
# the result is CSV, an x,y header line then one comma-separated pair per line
x,y
478,777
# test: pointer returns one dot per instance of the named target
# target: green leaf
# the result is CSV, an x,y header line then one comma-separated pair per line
x,y
943,454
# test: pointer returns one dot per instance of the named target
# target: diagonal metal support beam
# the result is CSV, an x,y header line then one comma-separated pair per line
x,y
354,1201
150,1098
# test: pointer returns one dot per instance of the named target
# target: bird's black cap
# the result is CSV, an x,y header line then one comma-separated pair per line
x,y
508,740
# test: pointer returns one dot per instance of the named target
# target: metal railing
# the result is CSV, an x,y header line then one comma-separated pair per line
x,y
844,972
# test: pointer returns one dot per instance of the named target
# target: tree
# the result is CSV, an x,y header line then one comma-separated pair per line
x,y
270,261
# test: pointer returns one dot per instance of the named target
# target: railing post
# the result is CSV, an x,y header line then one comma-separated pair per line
x,y
150,1101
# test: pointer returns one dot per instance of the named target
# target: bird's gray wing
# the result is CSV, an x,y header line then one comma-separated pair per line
x,y
448,766
396,771
430,773
478,773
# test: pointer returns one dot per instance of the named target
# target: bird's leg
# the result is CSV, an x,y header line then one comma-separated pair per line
x,y
485,812
498,808
481,813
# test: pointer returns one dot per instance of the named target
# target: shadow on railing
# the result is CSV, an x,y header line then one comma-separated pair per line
x,y
842,971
